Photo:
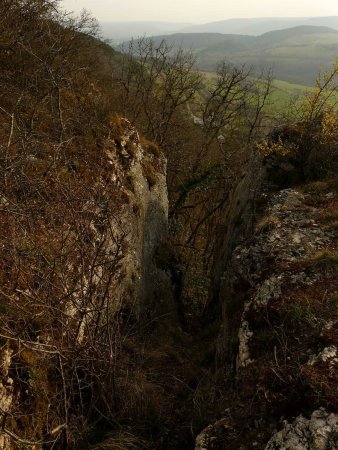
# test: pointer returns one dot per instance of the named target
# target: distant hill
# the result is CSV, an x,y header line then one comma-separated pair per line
x,y
122,31
198,41
118,32
295,54
258,26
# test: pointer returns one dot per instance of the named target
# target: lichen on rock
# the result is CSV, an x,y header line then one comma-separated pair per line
x,y
283,280
320,432
273,252
6,394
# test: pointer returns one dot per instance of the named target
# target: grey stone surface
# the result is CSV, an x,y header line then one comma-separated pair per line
x,y
320,432
290,233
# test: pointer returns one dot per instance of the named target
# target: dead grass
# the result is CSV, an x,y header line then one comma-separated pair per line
x,y
316,200
150,173
320,193
316,187
301,322
267,223
150,147
121,440
333,226
323,382
330,214
324,258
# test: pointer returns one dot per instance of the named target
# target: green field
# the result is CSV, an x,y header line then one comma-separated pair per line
x,y
283,94
296,55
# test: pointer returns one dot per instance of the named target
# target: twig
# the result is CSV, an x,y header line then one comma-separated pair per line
x,y
27,441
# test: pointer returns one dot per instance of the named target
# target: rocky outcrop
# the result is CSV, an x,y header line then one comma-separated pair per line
x,y
109,279
212,436
6,395
239,218
143,220
320,432
278,293
286,234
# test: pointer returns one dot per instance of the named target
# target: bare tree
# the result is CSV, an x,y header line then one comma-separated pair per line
x,y
157,83
60,246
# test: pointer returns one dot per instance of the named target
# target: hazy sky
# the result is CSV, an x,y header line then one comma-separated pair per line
x,y
199,11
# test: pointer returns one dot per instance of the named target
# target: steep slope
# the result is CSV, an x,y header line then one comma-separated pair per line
x,y
96,351
274,301
83,209
285,276
125,241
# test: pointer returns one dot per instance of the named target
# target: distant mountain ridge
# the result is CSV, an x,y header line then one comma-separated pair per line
x,y
295,54
123,31
260,25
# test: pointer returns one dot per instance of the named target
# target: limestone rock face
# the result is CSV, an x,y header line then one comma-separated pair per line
x,y
142,222
212,436
125,218
290,235
131,233
320,432
279,328
6,394
239,217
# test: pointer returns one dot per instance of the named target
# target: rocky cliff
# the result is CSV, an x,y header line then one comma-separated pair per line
x,y
139,172
239,217
122,224
278,295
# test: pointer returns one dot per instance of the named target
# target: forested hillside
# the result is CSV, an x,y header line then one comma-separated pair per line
x,y
295,54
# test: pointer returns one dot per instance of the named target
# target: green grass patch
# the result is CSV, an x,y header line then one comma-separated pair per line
x,y
283,94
